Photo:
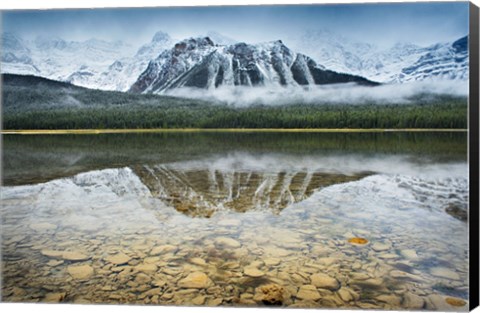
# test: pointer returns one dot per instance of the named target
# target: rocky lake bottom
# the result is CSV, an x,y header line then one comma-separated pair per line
x,y
243,229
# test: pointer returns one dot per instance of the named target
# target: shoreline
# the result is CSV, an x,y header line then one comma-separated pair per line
x,y
219,130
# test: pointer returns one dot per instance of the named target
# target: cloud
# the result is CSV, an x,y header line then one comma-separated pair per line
x,y
334,94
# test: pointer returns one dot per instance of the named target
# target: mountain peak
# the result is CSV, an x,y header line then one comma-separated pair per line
x,y
161,37
274,45
46,42
13,42
403,45
193,43
461,44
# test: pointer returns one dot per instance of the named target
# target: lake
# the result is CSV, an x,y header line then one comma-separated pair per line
x,y
325,220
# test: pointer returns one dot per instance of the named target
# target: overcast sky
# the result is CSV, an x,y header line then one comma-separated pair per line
x,y
380,24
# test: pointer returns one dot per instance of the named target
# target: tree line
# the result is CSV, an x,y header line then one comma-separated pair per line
x,y
443,115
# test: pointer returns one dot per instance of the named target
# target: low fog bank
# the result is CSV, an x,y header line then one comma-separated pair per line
x,y
334,94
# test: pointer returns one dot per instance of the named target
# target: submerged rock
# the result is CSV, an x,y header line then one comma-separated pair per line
x,y
146,268
66,255
198,261
74,256
455,301
458,212
196,280
214,302
54,263
162,249
198,300
412,301
444,272
271,261
273,251
404,275
409,254
151,260
54,297
308,292
325,281
390,299
438,302
253,272
380,247
272,294
370,283
142,278
388,256
225,242
51,253
359,276
80,272
118,259
43,226
159,283
19,292
304,304
346,294
328,261
358,241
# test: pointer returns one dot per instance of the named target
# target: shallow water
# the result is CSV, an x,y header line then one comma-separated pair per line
x,y
237,220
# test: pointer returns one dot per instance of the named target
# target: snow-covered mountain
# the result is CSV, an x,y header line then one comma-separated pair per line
x,y
199,62
93,63
332,50
219,60
122,73
16,56
443,61
55,58
403,62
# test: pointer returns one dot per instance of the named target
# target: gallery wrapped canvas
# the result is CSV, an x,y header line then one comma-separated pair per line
x,y
298,156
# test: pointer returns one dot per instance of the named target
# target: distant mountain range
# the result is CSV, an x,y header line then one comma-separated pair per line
x,y
403,62
93,64
215,60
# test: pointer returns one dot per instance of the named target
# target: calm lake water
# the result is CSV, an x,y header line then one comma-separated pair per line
x,y
326,220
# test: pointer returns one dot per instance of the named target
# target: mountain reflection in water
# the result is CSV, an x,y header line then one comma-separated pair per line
x,y
110,219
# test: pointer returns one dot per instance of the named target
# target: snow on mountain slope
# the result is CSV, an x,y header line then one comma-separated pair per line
x,y
122,73
332,50
200,63
442,61
16,56
384,65
224,61
172,63
55,58
398,64
220,39
93,63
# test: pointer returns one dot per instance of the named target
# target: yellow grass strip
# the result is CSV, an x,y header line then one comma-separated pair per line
x,y
214,130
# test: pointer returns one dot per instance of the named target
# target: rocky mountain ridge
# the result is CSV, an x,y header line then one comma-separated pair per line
x,y
200,63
